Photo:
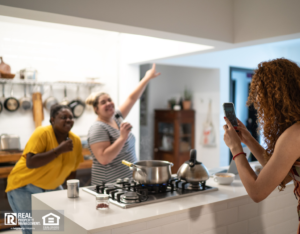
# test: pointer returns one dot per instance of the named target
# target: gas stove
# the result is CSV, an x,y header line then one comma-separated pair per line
x,y
127,193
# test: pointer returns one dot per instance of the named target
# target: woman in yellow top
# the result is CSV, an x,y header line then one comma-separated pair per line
x,y
50,155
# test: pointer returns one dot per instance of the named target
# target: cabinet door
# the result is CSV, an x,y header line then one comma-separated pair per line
x,y
164,141
186,137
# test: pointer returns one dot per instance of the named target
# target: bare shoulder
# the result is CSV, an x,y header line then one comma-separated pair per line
x,y
292,132
291,137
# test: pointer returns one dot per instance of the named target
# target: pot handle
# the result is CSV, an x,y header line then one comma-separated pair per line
x,y
193,157
126,163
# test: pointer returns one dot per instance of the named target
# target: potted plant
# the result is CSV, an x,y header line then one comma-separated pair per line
x,y
172,103
187,99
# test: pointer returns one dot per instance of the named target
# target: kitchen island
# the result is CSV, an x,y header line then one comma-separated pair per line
x,y
228,210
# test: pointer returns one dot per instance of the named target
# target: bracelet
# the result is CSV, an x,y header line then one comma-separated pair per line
x,y
238,155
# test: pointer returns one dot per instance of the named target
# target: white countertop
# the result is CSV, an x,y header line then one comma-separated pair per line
x,y
82,210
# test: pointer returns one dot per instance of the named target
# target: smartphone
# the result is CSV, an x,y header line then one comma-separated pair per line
x,y
229,112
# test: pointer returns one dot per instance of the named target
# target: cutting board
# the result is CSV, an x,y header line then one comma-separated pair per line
x,y
38,112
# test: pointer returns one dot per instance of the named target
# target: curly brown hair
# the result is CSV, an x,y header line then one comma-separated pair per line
x,y
275,94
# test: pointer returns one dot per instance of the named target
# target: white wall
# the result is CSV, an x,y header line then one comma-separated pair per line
x,y
204,84
57,52
247,57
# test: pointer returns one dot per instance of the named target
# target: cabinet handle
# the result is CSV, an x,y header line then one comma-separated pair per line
x,y
155,150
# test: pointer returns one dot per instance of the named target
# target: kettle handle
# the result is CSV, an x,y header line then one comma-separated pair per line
x,y
193,158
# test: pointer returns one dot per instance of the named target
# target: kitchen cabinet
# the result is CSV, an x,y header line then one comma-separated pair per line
x,y
174,136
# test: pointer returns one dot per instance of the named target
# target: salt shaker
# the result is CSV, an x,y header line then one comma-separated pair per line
x,y
102,202
73,188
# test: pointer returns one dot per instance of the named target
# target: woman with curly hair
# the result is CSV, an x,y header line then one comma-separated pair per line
x,y
275,94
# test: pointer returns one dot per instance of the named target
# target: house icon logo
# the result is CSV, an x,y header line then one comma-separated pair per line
x,y
51,219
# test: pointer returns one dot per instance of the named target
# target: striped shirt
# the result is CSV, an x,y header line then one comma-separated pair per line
x,y
100,132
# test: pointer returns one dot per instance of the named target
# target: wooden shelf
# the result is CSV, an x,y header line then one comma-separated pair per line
x,y
8,157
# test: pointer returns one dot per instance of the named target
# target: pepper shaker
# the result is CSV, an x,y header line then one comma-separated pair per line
x,y
102,202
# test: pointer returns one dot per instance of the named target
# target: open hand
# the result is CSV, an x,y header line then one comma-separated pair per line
x,y
152,73
231,138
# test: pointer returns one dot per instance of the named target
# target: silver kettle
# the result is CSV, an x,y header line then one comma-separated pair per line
x,y
193,171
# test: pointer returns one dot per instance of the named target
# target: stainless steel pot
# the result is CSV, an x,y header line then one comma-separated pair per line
x,y
25,102
193,171
9,142
150,171
50,101
11,103
65,101
77,106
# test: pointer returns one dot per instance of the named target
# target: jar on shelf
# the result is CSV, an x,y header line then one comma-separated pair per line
x,y
102,202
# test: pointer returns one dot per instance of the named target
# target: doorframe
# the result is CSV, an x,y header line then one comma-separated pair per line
x,y
232,69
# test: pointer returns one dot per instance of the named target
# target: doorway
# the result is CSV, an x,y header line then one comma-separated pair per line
x,y
240,79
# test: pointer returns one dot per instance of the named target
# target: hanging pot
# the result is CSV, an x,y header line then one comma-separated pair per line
x,y
50,101
65,101
11,104
193,171
77,106
25,102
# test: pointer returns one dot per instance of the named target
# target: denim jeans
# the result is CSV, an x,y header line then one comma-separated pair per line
x,y
20,200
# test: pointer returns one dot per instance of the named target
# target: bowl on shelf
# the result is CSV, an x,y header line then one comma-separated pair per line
x,y
7,75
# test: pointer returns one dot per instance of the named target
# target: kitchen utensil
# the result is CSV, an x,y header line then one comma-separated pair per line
x,y
134,168
9,142
77,106
224,178
151,171
65,101
25,102
11,104
38,115
50,101
193,171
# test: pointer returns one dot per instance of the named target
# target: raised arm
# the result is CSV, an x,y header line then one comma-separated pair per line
x,y
274,172
137,92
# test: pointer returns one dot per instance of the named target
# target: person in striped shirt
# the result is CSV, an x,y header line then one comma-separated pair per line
x,y
109,138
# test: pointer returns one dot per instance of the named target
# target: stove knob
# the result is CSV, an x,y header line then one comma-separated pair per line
x,y
126,179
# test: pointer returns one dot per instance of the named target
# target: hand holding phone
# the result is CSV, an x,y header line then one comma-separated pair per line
x,y
229,112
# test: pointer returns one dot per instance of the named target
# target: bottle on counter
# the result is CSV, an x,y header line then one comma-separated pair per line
x,y
102,202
